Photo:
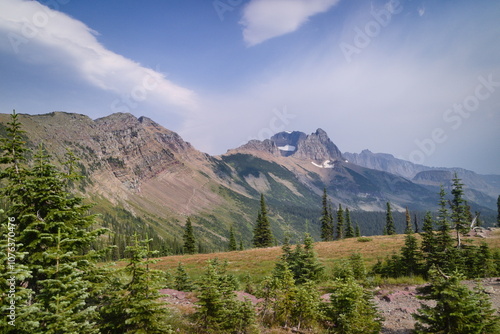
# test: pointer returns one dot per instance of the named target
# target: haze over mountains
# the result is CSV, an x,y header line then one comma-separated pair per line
x,y
136,166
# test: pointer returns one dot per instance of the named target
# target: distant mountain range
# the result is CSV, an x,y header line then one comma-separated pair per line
x,y
142,175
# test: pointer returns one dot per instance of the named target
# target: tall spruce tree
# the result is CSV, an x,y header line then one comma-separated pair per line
x,y
415,223
340,222
349,230
263,236
444,251
189,240
357,231
498,209
390,228
325,220
411,256
232,241
409,227
428,245
459,210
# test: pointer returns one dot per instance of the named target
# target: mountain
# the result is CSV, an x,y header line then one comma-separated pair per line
x,y
145,178
479,188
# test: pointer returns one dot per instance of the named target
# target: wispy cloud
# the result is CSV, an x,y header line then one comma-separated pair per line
x,y
35,32
266,19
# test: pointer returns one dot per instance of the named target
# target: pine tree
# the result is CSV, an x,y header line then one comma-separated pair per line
x,y
352,309
357,231
390,229
325,220
459,211
411,256
458,309
340,222
409,227
189,240
219,311
52,227
181,279
134,307
498,210
263,237
428,245
349,230
444,241
232,240
415,223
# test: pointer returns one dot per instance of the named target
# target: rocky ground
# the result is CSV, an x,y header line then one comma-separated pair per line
x,y
396,303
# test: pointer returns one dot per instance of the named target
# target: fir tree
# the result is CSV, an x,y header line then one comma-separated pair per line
x,y
263,237
340,222
444,241
352,309
325,220
349,230
410,256
54,228
181,279
390,229
498,210
415,223
458,309
232,240
409,227
189,240
428,245
459,211
357,231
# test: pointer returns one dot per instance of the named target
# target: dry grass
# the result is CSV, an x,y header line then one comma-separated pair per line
x,y
257,263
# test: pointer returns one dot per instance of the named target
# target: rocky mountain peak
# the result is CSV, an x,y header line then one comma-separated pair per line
x,y
318,147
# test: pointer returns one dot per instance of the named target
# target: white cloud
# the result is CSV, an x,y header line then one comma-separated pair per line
x,y
265,19
36,33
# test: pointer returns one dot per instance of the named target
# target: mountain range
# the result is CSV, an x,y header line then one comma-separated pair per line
x,y
145,177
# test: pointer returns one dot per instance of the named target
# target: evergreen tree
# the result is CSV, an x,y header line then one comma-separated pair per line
x,y
189,240
459,211
325,220
498,210
411,256
357,264
53,227
181,279
390,229
134,307
219,311
429,241
263,237
340,222
409,227
357,232
444,241
415,223
232,240
458,309
349,230
352,310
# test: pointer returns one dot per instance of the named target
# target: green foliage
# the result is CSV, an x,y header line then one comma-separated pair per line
x,y
351,309
263,237
429,240
134,307
390,228
340,222
349,230
219,311
232,241
189,240
409,227
326,219
459,211
458,309
182,282
498,210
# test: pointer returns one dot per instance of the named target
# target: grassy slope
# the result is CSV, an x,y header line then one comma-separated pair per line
x,y
254,264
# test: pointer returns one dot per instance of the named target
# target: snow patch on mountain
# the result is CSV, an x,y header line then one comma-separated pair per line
x,y
287,148
325,164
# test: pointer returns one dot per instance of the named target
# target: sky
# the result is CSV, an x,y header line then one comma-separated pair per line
x,y
419,79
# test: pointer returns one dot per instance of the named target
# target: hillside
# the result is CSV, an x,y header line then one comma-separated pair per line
x,y
145,178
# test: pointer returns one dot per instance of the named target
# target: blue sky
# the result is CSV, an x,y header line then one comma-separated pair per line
x,y
419,79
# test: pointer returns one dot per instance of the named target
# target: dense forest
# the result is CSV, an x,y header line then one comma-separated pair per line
x,y
57,278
